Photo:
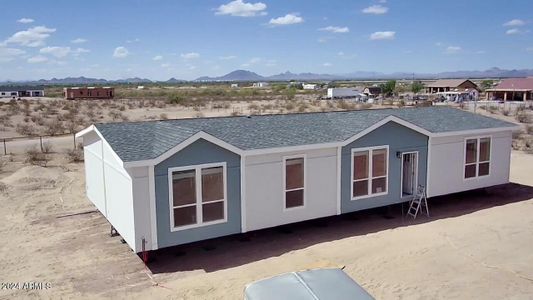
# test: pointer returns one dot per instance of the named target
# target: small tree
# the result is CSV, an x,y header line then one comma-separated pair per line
x,y
487,84
416,87
388,87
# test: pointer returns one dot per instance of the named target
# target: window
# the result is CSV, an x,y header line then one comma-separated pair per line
x,y
477,157
294,185
369,172
197,195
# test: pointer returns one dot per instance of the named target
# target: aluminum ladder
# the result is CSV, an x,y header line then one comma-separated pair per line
x,y
418,203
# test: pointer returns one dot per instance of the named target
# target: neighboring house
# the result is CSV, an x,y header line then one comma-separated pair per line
x,y
72,93
341,93
372,91
21,91
512,89
261,84
450,85
234,85
309,86
172,182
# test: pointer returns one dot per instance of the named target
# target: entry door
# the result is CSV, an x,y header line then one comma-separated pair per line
x,y
409,173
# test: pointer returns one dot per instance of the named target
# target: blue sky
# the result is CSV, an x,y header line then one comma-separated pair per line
x,y
159,39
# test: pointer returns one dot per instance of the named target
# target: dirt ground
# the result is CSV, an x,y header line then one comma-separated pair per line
x,y
475,245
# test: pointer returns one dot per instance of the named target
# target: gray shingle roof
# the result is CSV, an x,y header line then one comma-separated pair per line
x,y
13,88
134,141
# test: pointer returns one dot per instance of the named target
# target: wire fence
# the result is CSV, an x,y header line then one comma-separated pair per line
x,y
44,143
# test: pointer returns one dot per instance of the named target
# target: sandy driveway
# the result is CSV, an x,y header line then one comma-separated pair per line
x,y
475,245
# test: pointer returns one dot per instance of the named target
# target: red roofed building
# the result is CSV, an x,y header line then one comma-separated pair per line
x,y
512,89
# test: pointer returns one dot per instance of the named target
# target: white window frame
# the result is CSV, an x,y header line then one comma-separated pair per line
x,y
478,149
370,175
284,178
198,185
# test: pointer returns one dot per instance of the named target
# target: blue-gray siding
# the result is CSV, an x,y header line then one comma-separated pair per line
x,y
399,139
199,152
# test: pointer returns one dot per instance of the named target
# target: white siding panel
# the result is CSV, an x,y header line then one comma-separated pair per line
x,y
94,180
446,164
119,197
265,195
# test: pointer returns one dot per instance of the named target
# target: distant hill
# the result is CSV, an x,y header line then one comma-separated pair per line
x,y
245,75
237,75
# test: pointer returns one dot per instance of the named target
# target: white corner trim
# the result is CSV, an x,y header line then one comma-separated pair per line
x,y
153,211
339,166
243,194
85,131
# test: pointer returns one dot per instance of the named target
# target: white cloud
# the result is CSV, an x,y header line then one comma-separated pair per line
x,y
165,65
271,63
481,52
239,8
335,29
513,31
453,49
135,40
157,57
78,41
190,55
33,37
288,19
25,20
37,59
376,9
326,64
79,51
58,52
255,60
227,57
340,53
121,52
9,54
515,22
383,35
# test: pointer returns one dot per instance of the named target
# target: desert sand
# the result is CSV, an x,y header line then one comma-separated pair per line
x,y
474,245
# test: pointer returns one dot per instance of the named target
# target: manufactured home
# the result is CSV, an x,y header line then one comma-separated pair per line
x,y
21,91
172,182
73,93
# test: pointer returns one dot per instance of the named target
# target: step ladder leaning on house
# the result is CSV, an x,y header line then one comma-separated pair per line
x,y
418,203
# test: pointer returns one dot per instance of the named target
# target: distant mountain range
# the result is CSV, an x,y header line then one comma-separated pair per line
x,y
244,75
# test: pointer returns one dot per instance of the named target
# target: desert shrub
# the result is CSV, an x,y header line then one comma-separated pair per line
x,y
35,157
346,105
492,109
302,107
54,127
235,113
365,105
253,106
176,99
401,103
26,129
516,134
529,129
289,106
522,117
163,116
47,147
3,163
505,112
73,125
75,155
